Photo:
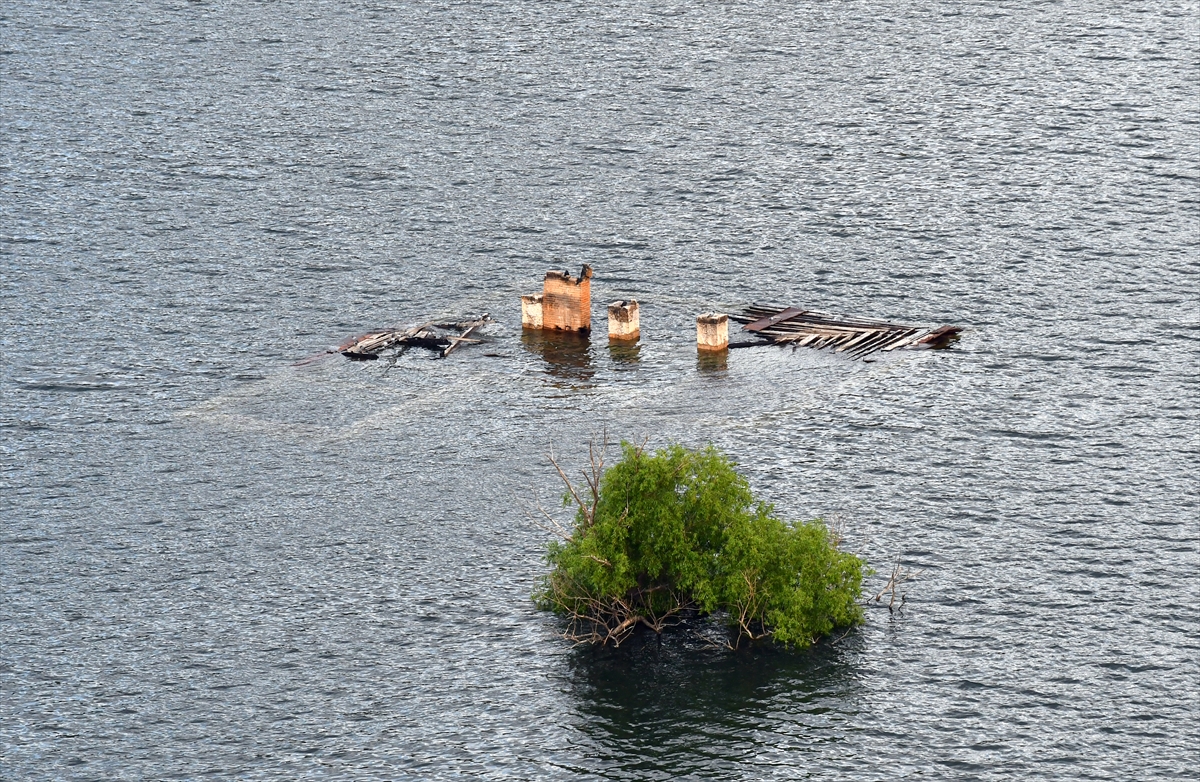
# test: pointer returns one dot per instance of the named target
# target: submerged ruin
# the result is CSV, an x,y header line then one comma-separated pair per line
x,y
565,303
854,337
564,308
624,321
443,338
712,331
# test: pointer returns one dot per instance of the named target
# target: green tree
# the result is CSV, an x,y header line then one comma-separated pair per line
x,y
658,536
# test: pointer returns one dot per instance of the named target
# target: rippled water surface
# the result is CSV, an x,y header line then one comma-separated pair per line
x,y
218,564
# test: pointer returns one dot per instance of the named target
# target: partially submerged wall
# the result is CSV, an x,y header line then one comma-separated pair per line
x,y
531,311
567,301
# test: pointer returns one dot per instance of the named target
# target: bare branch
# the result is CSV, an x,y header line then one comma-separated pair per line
x,y
898,576
570,487
552,525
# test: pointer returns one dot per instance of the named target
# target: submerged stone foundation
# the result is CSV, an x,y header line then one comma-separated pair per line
x,y
531,311
712,331
624,322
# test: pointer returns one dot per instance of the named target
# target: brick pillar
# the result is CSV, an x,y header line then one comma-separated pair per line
x,y
567,301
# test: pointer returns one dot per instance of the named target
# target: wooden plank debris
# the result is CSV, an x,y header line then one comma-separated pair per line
x,y
853,337
771,320
461,338
441,337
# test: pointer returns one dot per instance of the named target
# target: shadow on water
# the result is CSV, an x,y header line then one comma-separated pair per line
x,y
667,710
567,355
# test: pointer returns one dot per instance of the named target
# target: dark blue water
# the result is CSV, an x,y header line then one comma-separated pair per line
x,y
216,564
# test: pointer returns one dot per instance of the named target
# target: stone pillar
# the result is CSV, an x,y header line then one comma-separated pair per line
x,y
712,331
624,323
567,301
531,311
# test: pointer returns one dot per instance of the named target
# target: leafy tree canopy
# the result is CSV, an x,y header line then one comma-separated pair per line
x,y
676,532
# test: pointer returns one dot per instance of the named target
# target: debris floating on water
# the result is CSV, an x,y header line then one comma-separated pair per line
x,y
441,337
856,337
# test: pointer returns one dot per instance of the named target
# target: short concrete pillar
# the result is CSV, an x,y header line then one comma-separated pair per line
x,y
531,311
712,331
567,301
624,324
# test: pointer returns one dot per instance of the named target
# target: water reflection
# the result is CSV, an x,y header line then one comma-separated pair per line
x,y
712,362
625,354
669,710
567,355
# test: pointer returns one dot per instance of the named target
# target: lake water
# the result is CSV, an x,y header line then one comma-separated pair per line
x,y
217,564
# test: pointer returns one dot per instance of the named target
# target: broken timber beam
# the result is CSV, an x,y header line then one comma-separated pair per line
x,y
771,320
461,338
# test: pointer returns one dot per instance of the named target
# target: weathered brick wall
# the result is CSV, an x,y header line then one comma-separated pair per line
x,y
567,301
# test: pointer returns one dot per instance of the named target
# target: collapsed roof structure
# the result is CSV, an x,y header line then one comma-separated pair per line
x,y
856,337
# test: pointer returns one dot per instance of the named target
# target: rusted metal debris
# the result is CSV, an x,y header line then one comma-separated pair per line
x,y
855,337
441,337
